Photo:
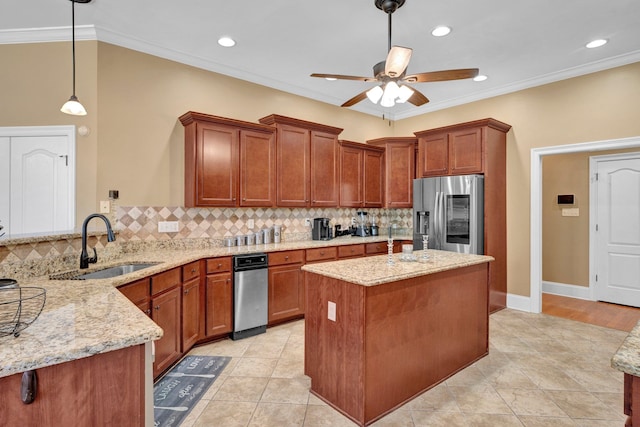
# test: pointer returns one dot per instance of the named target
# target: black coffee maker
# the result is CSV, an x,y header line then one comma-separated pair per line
x,y
321,229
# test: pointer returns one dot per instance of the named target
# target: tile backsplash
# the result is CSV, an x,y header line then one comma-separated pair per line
x,y
141,222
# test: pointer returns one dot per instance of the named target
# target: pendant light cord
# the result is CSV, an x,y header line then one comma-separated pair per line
x,y
73,43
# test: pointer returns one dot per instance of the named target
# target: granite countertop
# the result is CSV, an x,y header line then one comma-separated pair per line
x,y
627,358
374,270
86,317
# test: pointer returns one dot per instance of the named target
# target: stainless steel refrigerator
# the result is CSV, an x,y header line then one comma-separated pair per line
x,y
450,209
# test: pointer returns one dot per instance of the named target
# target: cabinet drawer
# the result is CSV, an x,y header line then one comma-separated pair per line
x,y
137,291
190,271
218,265
376,248
163,281
350,251
286,257
321,254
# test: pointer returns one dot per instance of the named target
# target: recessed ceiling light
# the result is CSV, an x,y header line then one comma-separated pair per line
x,y
440,31
226,41
331,79
596,43
480,78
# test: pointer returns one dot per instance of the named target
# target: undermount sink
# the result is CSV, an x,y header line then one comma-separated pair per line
x,y
105,273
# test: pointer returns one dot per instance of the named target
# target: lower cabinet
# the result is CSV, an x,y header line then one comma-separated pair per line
x,y
190,313
218,297
286,286
351,251
165,311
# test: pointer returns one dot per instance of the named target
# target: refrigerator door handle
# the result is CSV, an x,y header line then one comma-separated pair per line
x,y
436,221
441,213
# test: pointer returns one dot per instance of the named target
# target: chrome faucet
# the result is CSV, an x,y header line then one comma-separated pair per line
x,y
85,259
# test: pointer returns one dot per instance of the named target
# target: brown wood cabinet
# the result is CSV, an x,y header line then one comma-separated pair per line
x,y
286,286
228,162
307,162
106,389
139,293
476,147
361,175
190,305
351,251
218,297
399,170
166,311
329,253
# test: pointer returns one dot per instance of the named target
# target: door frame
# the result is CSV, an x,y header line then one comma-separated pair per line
x,y
593,207
67,131
535,263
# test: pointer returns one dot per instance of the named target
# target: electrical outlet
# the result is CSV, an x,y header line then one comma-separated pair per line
x,y
168,226
331,311
570,211
250,223
105,206
307,222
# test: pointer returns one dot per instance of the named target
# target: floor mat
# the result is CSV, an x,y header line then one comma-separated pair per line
x,y
178,392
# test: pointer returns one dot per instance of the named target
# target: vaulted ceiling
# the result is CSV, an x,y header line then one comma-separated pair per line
x,y
516,44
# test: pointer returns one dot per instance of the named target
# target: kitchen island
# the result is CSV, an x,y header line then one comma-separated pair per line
x,y
378,335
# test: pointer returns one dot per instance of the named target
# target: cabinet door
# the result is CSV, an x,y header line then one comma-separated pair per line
x,y
257,169
216,165
351,174
433,155
292,166
219,310
400,168
166,313
350,251
324,169
465,151
190,313
373,179
286,292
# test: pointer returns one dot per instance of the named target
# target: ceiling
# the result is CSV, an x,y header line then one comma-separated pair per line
x,y
517,44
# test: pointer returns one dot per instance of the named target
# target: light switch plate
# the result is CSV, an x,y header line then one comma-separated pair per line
x,y
250,223
331,310
105,206
570,212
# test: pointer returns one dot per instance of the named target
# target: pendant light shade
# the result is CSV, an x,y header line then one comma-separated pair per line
x,y
73,106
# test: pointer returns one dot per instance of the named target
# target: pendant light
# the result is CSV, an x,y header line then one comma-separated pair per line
x,y
73,106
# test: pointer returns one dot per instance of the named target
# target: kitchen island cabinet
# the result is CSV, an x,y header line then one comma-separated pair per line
x,y
378,335
307,162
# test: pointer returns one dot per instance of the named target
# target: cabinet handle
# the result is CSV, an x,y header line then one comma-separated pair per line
x,y
321,253
157,307
228,280
148,312
219,265
193,270
244,199
286,258
186,291
29,387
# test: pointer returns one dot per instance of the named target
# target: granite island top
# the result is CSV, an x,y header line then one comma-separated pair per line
x,y
375,270
86,317
627,358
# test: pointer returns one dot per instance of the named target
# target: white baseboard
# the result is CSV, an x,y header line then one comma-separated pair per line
x,y
566,290
518,302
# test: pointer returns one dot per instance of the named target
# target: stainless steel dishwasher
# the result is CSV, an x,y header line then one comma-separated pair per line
x,y
250,296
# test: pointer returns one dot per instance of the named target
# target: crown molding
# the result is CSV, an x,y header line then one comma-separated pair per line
x,y
46,34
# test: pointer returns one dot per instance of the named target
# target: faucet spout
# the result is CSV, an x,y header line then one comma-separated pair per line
x,y
85,259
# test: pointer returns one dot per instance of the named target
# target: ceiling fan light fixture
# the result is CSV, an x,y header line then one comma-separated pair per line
x,y
440,31
374,94
404,93
391,90
387,102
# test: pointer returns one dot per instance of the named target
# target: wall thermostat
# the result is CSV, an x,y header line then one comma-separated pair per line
x,y
565,199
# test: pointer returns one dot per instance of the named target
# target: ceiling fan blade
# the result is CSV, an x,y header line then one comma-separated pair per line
x,y
441,76
417,98
342,77
359,97
397,61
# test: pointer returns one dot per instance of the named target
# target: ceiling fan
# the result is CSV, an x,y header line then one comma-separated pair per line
x,y
391,73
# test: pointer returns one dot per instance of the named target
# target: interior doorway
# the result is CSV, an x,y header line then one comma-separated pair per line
x,y
537,155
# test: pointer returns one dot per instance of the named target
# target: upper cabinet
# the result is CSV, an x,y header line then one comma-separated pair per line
x,y
228,162
361,175
399,170
460,149
307,162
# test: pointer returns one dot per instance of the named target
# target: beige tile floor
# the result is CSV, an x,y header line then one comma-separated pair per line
x,y
540,371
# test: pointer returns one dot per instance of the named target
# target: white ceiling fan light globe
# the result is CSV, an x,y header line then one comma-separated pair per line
x,y
387,102
404,93
391,90
374,94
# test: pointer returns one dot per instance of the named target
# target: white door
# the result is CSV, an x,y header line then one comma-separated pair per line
x,y
617,254
37,179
